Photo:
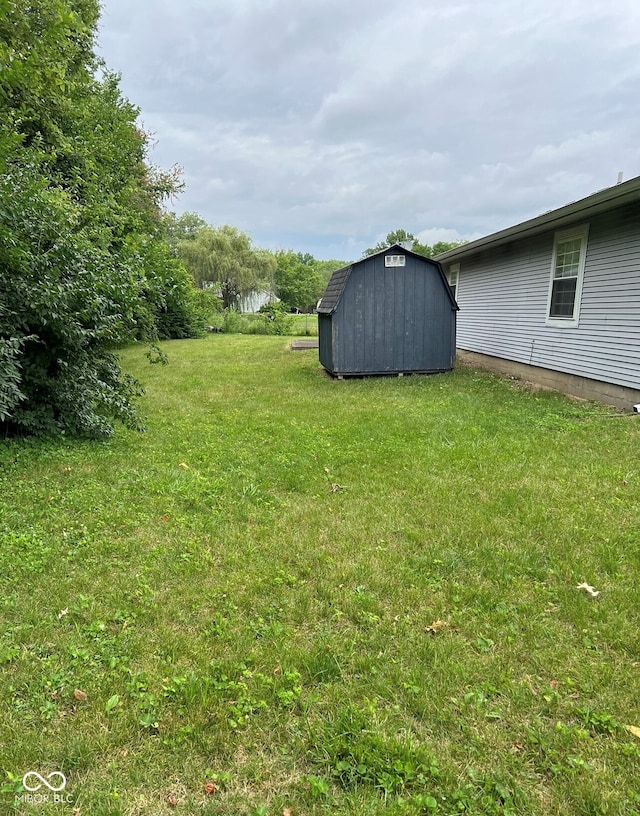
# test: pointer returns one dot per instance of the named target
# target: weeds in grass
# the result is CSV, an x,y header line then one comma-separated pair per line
x,y
198,618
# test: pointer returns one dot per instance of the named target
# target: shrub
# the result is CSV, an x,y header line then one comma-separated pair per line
x,y
277,318
82,268
66,304
174,308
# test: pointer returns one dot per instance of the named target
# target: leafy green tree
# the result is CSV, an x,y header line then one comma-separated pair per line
x,y
400,235
326,269
430,251
299,285
183,227
79,225
394,237
225,259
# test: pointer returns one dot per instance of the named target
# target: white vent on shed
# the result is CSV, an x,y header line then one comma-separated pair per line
x,y
395,260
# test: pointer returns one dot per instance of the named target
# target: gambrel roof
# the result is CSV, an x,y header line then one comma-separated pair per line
x,y
339,278
334,290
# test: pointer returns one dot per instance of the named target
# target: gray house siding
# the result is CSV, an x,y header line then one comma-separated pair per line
x,y
503,298
376,319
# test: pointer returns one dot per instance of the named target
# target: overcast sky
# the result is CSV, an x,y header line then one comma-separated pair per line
x,y
321,125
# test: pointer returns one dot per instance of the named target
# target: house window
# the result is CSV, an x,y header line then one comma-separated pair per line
x,y
567,272
452,277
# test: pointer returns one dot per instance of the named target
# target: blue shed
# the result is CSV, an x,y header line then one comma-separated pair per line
x,y
389,313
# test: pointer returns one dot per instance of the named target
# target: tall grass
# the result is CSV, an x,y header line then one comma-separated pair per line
x,y
328,597
279,323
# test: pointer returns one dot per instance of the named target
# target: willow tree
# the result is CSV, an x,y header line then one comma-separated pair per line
x,y
225,259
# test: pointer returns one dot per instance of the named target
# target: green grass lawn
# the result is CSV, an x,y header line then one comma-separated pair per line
x,y
295,596
304,324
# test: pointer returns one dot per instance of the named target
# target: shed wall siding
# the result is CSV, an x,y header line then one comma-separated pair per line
x,y
393,319
503,293
325,343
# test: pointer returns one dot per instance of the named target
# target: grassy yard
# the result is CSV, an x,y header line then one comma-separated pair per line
x,y
305,324
297,596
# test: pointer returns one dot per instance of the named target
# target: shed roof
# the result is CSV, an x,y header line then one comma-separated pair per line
x,y
339,278
594,204
334,289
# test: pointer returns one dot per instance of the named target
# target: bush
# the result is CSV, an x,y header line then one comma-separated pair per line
x,y
65,304
171,306
208,306
277,318
269,320
82,265
230,321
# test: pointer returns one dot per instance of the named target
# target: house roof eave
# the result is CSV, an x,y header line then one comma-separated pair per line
x,y
594,204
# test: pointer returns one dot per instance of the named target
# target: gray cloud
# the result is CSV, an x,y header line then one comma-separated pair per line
x,y
321,125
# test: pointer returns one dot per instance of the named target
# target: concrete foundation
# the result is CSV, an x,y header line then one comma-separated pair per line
x,y
580,387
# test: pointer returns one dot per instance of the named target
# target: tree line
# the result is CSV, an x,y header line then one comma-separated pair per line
x,y
401,236
225,260
89,257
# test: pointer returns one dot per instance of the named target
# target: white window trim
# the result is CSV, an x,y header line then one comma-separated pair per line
x,y
454,269
581,232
